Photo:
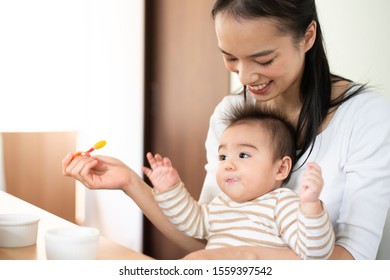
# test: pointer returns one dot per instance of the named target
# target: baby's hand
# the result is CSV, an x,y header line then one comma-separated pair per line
x,y
161,172
311,184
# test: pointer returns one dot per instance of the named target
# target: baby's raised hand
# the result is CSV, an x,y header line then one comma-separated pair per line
x,y
311,184
161,172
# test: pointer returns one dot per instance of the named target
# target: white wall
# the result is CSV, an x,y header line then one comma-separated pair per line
x,y
357,39
42,65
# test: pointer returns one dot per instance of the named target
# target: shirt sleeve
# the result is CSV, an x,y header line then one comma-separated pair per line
x,y
183,211
366,196
310,237
315,238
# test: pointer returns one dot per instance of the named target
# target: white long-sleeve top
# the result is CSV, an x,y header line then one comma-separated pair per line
x,y
354,155
272,220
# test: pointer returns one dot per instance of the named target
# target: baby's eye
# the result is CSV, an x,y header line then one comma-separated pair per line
x,y
244,155
222,157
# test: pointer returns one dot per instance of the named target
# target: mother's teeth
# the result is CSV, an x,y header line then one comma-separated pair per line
x,y
259,86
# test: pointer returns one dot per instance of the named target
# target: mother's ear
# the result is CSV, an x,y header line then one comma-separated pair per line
x,y
284,168
310,35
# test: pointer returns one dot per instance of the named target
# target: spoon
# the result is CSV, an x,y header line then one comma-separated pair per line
x,y
98,145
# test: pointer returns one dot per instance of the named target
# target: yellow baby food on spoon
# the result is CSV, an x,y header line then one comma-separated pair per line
x,y
98,145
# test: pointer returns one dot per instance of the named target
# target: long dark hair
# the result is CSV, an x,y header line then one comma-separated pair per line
x,y
294,17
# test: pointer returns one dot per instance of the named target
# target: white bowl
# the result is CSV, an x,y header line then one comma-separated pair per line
x,y
72,243
18,230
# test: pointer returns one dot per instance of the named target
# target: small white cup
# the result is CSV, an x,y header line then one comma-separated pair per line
x,y
72,243
18,230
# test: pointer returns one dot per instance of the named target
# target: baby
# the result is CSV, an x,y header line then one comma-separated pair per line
x,y
256,154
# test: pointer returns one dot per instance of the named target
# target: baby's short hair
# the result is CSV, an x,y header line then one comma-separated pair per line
x,y
281,131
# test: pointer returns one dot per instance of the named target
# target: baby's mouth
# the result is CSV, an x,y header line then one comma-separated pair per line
x,y
232,180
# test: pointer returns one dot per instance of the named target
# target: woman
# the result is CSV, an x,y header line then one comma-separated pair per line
x,y
276,49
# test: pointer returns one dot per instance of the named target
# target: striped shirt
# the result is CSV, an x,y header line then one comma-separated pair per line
x,y
272,220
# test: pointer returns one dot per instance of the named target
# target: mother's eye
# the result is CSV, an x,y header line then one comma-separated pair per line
x,y
230,58
268,63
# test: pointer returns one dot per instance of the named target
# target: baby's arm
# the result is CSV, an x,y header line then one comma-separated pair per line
x,y
312,236
310,189
161,172
174,200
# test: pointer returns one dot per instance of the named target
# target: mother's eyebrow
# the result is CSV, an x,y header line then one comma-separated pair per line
x,y
258,54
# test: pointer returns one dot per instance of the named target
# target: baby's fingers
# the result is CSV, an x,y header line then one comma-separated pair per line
x,y
313,167
167,162
150,158
312,181
147,171
154,161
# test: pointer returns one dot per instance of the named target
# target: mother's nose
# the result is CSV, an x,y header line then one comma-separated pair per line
x,y
246,74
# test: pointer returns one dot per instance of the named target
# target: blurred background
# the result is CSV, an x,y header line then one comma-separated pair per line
x,y
145,75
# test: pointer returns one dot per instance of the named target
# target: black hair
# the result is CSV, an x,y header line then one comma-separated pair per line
x,y
294,17
281,131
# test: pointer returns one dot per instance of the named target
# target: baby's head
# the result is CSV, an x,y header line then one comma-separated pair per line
x,y
256,153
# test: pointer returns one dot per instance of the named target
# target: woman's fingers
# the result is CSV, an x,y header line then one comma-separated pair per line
x,y
76,166
65,163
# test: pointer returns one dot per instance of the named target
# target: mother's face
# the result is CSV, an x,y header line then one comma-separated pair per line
x,y
268,61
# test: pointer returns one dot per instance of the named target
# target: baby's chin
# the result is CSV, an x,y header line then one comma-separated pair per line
x,y
238,197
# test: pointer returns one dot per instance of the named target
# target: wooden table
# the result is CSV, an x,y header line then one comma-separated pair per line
x,y
108,250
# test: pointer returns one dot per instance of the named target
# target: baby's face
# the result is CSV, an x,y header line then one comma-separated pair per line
x,y
246,167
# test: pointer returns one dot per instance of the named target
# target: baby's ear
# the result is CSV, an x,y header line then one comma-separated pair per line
x,y
284,167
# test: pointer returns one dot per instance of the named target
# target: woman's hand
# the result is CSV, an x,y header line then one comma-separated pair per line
x,y
99,172
102,172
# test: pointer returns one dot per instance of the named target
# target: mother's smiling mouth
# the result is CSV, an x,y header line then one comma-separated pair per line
x,y
259,89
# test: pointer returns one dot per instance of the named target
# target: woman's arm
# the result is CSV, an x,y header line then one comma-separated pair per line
x,y
258,253
142,195
101,172
243,253
340,253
